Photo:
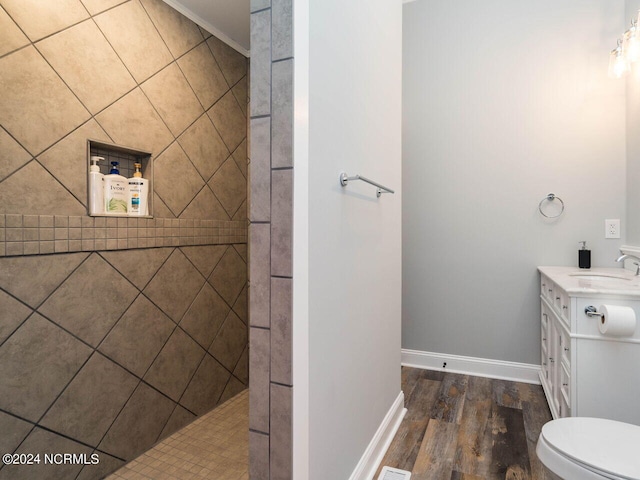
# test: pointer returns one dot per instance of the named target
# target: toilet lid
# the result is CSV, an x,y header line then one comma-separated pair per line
x,y
606,446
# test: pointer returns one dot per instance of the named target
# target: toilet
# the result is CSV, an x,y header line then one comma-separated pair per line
x,y
580,448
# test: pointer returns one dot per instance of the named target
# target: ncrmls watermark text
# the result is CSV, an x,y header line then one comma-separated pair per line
x,y
50,459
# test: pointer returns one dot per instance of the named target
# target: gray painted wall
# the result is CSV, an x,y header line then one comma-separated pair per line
x,y
633,143
504,102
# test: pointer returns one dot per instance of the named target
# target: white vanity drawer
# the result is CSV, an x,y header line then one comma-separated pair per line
x,y
544,286
565,392
565,347
565,306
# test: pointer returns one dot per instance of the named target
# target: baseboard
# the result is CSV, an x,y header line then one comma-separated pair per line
x,y
373,455
482,367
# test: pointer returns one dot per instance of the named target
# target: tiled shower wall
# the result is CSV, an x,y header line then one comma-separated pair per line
x,y
270,240
107,345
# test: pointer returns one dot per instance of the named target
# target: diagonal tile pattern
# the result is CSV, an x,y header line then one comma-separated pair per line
x,y
175,286
142,320
88,65
90,301
115,354
45,354
36,107
135,39
178,32
175,365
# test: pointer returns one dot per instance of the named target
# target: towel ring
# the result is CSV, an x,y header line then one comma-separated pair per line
x,y
550,198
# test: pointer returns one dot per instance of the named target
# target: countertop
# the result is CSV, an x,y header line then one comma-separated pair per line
x,y
594,281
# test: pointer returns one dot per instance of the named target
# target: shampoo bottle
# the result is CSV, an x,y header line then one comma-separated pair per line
x,y
138,193
116,192
584,256
96,188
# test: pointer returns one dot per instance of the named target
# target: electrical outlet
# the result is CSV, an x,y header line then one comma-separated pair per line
x,y
612,228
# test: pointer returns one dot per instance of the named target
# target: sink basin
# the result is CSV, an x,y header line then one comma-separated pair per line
x,y
601,278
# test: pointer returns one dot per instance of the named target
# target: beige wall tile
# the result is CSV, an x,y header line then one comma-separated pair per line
x,y
13,313
240,157
11,38
149,411
124,344
89,405
240,91
229,276
175,365
232,63
133,122
92,315
35,106
13,431
229,186
205,316
203,75
12,155
67,159
206,387
40,440
229,120
175,286
205,205
176,180
88,65
179,33
204,147
135,39
173,98
230,342
46,195
46,355
39,19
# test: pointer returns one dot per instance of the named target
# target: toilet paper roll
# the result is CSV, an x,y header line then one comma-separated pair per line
x,y
617,321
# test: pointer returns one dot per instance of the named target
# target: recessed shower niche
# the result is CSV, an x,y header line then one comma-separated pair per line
x,y
119,181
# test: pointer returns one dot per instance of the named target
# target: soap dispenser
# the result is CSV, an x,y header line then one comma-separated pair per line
x,y
96,188
116,192
584,256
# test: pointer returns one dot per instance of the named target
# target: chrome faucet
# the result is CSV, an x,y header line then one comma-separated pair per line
x,y
624,257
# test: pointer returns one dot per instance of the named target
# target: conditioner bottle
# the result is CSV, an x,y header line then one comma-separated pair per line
x,y
138,193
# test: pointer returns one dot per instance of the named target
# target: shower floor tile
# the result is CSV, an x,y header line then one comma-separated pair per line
x,y
216,445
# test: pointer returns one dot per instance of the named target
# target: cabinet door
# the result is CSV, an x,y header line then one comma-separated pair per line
x,y
554,363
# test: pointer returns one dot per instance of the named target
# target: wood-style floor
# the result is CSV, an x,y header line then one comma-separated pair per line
x,y
460,427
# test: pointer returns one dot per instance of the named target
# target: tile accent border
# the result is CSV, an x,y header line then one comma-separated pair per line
x,y
46,234
271,240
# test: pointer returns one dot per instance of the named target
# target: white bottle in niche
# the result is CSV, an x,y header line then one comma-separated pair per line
x,y
96,187
116,192
138,193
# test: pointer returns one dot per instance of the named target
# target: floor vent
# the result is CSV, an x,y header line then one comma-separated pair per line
x,y
389,473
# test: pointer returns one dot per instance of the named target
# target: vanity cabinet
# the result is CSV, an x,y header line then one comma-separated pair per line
x,y
584,373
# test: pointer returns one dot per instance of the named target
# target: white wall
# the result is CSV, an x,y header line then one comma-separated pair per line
x,y
352,306
633,142
503,103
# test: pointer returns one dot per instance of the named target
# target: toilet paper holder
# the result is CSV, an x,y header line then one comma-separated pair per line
x,y
592,311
